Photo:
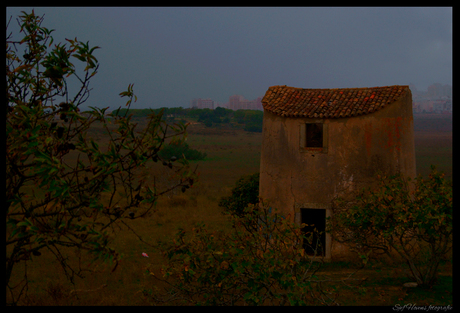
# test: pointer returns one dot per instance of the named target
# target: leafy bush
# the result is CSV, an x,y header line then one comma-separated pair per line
x,y
222,112
62,189
210,117
263,265
245,192
179,150
412,219
249,116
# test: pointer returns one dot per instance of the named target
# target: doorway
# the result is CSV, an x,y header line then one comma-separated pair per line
x,y
315,229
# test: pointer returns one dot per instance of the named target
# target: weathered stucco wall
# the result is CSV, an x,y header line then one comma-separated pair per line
x,y
356,148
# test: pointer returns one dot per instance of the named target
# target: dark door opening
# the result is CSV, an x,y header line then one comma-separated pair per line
x,y
315,243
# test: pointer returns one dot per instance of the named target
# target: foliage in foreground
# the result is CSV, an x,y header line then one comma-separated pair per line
x,y
63,190
260,262
402,217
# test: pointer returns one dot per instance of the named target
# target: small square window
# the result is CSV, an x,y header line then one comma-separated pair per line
x,y
314,135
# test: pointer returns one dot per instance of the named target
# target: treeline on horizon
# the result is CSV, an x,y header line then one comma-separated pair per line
x,y
251,119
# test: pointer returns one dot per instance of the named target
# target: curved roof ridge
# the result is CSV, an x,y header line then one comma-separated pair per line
x,y
329,103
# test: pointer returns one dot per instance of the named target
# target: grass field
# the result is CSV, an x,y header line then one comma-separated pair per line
x,y
231,153
433,144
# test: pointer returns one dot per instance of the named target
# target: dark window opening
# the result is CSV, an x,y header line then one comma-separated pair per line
x,y
314,135
315,231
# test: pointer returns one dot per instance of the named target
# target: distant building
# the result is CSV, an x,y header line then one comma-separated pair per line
x,y
234,102
443,105
437,99
202,104
437,91
237,102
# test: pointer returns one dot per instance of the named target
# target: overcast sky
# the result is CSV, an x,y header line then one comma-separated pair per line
x,y
173,55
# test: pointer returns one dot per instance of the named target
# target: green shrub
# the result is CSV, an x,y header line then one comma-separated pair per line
x,y
262,265
411,218
179,150
63,190
245,192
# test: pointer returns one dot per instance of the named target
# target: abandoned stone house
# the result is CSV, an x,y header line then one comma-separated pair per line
x,y
320,143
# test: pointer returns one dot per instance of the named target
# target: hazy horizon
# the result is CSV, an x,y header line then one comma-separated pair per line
x,y
174,54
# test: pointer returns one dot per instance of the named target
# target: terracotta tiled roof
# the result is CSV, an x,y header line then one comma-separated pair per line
x,y
329,103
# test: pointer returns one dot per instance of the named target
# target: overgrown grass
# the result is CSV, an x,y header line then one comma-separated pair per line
x,y
231,153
